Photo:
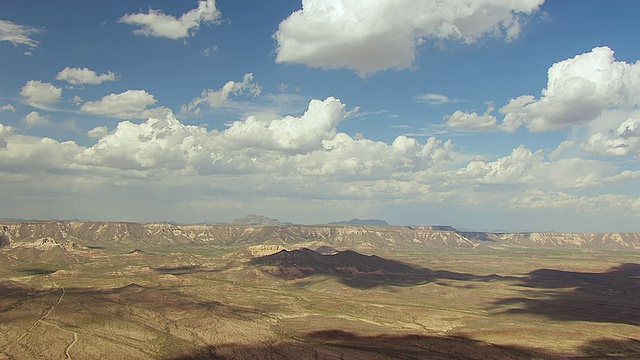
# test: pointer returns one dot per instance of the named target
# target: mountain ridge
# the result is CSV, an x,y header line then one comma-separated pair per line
x,y
357,237
374,222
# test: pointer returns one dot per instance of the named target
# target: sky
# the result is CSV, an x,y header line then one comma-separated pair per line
x,y
479,114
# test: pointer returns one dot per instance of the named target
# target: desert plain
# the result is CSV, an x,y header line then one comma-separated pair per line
x,y
81,290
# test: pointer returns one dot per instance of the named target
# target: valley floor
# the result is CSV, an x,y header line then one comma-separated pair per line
x,y
201,304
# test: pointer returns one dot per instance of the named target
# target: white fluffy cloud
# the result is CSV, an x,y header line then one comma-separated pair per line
x,y
34,119
526,167
131,104
592,92
472,121
7,107
156,23
305,146
80,76
165,142
300,159
352,159
308,148
28,154
624,140
5,131
562,148
156,143
18,34
370,36
295,134
40,94
578,91
98,132
218,98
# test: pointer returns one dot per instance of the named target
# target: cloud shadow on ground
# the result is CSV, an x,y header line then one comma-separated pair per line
x,y
610,296
357,270
338,344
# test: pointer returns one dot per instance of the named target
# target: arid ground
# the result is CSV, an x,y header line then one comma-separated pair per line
x,y
223,303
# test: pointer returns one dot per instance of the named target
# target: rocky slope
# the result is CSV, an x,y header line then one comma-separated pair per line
x,y
612,241
350,267
361,238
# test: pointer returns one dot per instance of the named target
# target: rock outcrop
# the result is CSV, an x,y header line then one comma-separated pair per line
x,y
276,237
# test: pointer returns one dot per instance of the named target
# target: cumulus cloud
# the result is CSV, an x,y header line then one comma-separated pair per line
x,y
7,107
599,204
27,154
81,76
156,23
131,104
370,36
5,131
317,161
472,121
592,92
40,94
218,98
76,100
524,166
308,145
301,157
98,132
296,134
34,119
156,143
624,140
562,148
578,91
161,142
300,152
18,34
362,159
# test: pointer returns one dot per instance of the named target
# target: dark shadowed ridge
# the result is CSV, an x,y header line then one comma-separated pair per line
x,y
136,252
4,240
354,269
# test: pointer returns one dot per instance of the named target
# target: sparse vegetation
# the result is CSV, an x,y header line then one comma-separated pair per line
x,y
138,300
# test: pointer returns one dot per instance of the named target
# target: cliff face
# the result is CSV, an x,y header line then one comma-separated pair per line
x,y
358,237
619,241
344,236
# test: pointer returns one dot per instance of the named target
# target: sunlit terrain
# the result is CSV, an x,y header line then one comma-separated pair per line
x,y
209,300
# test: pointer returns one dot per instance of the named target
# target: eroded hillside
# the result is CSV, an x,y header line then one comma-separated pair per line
x,y
357,237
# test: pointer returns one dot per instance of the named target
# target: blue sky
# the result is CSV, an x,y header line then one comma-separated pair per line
x,y
479,114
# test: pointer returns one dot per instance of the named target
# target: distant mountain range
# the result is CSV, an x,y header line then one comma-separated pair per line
x,y
254,232
253,219
371,222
